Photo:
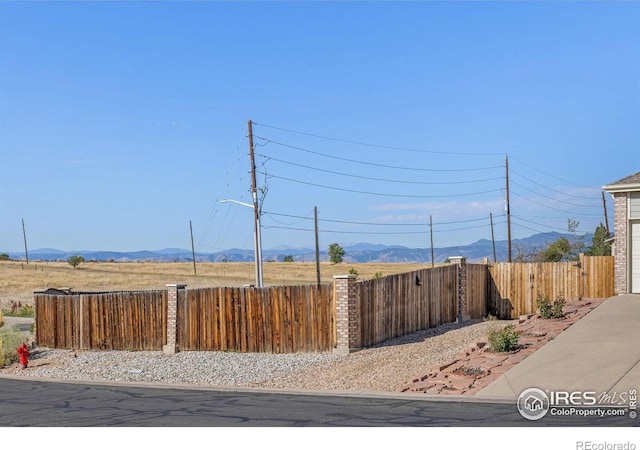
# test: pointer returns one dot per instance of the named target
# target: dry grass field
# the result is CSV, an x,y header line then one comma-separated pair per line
x,y
19,280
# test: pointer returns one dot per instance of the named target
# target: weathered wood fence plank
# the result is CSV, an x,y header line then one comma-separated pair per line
x,y
303,318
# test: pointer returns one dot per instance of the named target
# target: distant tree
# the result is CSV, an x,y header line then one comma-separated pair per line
x,y
4,257
598,245
75,260
335,253
288,258
578,245
562,249
558,250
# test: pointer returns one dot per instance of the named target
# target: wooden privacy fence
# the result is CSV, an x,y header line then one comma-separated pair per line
x,y
285,319
401,304
288,319
277,319
102,320
514,287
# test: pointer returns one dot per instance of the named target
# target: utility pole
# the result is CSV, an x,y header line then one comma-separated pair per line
x,y
256,209
315,216
431,233
508,208
493,239
604,205
24,235
193,250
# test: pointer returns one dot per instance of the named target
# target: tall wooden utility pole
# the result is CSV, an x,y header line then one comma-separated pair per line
x,y
604,205
431,233
508,209
24,235
493,239
315,217
256,210
193,250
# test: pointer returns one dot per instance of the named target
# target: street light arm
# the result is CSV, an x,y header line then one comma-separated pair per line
x,y
237,202
258,238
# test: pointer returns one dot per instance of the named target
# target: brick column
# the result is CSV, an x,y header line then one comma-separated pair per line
x,y
347,314
463,310
620,225
172,315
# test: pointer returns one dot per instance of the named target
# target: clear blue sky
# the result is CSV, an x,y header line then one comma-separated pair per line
x,y
120,122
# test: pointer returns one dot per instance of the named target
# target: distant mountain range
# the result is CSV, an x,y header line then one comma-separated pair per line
x,y
357,253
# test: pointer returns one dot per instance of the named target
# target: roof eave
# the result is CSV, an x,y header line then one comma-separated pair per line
x,y
631,187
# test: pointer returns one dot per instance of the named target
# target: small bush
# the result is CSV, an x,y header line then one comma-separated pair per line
x,y
10,340
549,310
19,310
503,340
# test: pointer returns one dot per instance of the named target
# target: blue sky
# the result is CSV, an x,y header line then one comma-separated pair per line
x,y
120,122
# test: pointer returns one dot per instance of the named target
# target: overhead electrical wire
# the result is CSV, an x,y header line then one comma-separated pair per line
x,y
426,231
547,174
374,223
385,166
555,199
386,147
380,194
555,209
333,172
402,228
537,223
511,171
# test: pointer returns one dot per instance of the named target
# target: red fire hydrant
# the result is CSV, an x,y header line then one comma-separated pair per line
x,y
23,351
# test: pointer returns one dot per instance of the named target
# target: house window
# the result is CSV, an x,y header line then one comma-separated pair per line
x,y
634,205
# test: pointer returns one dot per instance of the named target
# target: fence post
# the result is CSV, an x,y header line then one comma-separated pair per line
x,y
347,314
172,316
463,309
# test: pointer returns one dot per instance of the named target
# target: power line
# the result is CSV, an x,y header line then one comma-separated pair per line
x,y
420,224
387,147
541,224
556,209
551,176
381,194
555,199
378,179
377,232
418,169
551,189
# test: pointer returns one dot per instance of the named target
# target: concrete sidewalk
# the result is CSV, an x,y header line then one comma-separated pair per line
x,y
600,352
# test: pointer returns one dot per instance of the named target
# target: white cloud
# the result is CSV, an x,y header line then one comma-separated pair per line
x,y
440,211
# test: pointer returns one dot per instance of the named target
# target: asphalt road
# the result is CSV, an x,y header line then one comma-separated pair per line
x,y
23,323
52,404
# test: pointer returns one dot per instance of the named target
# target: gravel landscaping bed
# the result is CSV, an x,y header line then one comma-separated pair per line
x,y
385,367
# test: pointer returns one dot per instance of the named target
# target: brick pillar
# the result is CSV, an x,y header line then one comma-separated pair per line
x,y
463,310
172,315
347,314
620,224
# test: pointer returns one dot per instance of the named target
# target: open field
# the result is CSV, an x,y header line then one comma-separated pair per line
x,y
19,280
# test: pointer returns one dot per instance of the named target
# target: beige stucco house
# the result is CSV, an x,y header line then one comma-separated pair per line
x,y
626,251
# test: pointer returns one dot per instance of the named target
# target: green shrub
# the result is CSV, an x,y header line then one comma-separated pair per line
x,y
549,310
10,340
503,340
20,310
